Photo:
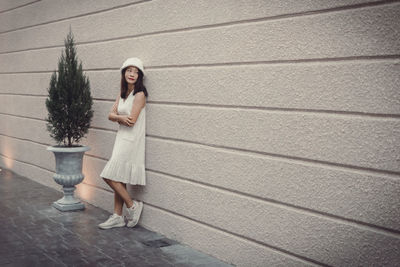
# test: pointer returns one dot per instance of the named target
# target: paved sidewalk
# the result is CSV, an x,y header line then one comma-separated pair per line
x,y
33,233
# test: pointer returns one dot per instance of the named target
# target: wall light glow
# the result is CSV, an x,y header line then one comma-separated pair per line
x,y
7,155
8,162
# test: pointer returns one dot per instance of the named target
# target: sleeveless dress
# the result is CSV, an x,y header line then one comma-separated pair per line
x,y
126,164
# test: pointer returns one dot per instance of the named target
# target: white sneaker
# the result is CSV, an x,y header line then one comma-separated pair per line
x,y
134,213
113,221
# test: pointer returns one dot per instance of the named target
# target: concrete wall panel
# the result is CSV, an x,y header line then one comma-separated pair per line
x,y
338,34
17,84
27,151
160,16
52,10
358,141
370,87
367,197
367,87
100,116
217,242
41,175
28,106
106,138
22,128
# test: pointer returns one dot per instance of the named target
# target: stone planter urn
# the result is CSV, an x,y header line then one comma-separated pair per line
x,y
68,174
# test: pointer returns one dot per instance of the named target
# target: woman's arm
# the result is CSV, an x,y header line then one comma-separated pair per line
x,y
113,115
138,103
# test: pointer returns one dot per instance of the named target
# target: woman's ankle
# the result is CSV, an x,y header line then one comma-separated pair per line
x,y
130,206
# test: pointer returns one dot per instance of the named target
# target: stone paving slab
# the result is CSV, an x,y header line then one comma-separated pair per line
x,y
33,233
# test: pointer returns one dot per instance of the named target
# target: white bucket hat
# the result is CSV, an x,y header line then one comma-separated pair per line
x,y
133,61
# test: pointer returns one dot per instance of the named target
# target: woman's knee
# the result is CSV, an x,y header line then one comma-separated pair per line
x,y
109,182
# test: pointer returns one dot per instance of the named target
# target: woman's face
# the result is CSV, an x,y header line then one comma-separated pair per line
x,y
131,75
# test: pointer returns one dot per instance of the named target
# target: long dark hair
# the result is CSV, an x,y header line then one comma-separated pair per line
x,y
139,87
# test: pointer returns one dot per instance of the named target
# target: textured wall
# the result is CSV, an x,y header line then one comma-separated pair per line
x,y
273,127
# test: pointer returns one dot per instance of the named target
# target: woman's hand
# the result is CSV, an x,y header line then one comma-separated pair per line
x,y
126,120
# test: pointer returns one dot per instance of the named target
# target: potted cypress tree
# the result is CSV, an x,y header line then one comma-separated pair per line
x,y
69,106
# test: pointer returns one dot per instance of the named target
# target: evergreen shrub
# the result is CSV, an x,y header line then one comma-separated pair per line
x,y
69,102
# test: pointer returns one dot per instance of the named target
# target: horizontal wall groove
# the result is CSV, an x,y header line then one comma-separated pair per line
x,y
301,111
351,59
297,160
200,27
43,120
17,7
107,100
31,49
287,206
283,110
94,156
76,16
282,62
17,94
274,248
103,129
27,72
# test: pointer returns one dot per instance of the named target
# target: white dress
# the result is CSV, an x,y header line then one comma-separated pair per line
x,y
128,156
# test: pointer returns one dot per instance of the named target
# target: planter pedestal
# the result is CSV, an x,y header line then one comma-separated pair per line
x,y
68,202
68,174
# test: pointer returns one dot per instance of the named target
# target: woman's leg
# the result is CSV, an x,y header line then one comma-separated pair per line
x,y
120,190
118,201
118,204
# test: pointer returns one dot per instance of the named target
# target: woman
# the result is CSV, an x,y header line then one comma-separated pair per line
x,y
126,164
